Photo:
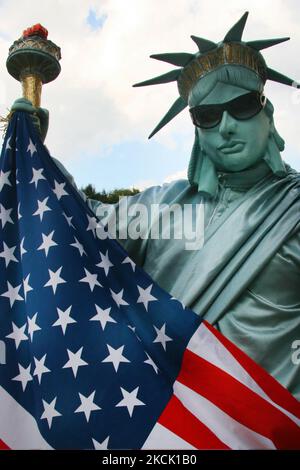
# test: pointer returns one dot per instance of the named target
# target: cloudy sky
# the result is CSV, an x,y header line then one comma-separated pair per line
x,y
99,124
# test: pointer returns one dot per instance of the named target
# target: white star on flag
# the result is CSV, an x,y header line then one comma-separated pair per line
x,y
26,286
47,242
4,175
31,148
18,334
145,296
103,316
37,176
42,207
22,249
93,224
64,319
79,247
32,326
91,279
8,254
105,262
130,400
129,261
115,356
87,405
151,363
101,445
12,293
75,361
161,336
132,328
55,279
68,219
118,297
5,216
59,190
40,367
50,412
24,376
181,303
8,147
19,213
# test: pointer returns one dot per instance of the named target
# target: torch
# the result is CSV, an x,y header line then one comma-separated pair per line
x,y
33,60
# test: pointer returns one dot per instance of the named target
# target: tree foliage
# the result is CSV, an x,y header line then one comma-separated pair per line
x,y
110,197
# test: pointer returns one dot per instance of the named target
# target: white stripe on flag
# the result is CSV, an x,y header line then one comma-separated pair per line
x,y
234,434
162,438
206,345
18,429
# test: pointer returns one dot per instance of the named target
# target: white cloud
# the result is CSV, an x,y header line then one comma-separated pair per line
x,y
144,184
181,174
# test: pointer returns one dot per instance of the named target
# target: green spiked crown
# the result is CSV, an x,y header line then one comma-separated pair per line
x,y
211,56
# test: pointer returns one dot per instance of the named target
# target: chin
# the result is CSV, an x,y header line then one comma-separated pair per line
x,y
237,162
234,164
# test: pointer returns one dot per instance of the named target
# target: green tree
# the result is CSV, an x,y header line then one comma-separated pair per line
x,y
110,197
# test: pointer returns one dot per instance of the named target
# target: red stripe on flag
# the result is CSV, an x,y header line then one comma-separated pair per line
x,y
184,424
238,401
3,446
271,387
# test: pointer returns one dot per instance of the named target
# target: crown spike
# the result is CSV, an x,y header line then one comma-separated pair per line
x,y
174,58
165,78
204,45
236,32
175,109
280,78
265,43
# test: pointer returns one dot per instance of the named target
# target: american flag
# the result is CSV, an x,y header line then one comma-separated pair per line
x,y
93,353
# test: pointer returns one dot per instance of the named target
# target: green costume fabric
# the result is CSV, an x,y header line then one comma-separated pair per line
x,y
245,279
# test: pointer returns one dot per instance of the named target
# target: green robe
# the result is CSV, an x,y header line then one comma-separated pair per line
x,y
245,280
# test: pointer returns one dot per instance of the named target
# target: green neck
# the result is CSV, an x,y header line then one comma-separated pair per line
x,y
244,179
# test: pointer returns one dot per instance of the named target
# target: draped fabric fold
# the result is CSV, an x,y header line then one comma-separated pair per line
x,y
240,244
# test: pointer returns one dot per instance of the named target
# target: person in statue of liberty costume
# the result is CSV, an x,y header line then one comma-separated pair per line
x,y
245,279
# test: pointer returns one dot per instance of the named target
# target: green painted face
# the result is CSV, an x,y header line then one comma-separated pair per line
x,y
234,145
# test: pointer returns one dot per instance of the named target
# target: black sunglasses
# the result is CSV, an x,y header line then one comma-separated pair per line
x,y
241,108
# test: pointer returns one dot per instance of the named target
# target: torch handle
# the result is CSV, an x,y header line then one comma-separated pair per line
x,y
32,89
